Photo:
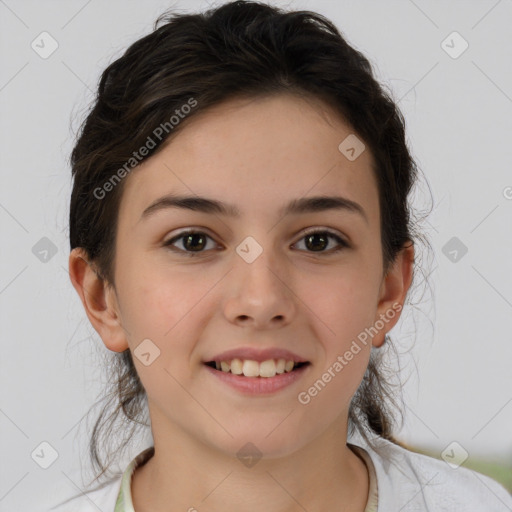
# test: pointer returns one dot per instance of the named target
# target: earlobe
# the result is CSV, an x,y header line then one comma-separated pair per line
x,y
98,299
393,292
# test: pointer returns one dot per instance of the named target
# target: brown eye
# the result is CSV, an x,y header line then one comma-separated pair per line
x,y
191,242
318,241
194,242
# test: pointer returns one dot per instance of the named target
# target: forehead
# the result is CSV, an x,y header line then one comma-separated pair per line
x,y
257,154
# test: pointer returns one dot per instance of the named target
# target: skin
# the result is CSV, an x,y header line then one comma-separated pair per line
x,y
258,155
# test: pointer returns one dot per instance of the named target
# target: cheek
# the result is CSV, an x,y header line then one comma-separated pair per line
x,y
344,306
168,308
343,303
329,391
156,298
159,307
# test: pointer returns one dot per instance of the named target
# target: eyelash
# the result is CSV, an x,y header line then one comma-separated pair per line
x,y
341,242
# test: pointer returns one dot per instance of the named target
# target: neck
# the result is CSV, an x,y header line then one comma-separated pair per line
x,y
185,474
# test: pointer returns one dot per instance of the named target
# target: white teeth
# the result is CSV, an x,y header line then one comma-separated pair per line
x,y
250,368
267,368
281,363
236,367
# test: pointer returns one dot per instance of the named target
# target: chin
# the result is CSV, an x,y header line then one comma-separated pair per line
x,y
257,443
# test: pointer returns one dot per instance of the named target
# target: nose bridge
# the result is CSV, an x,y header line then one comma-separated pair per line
x,y
257,265
259,283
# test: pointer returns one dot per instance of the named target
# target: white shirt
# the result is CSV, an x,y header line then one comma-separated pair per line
x,y
400,481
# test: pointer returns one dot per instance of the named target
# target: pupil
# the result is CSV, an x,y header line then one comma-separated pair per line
x,y
315,246
193,237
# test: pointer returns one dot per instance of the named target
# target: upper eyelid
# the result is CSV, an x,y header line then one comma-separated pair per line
x,y
301,234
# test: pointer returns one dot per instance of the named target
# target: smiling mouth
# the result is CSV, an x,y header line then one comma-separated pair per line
x,y
253,369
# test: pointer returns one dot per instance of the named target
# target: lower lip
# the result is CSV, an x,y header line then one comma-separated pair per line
x,y
259,385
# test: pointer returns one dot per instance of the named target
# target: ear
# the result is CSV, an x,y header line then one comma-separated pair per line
x,y
99,301
393,291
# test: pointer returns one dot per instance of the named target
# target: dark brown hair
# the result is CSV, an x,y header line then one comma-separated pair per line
x,y
240,49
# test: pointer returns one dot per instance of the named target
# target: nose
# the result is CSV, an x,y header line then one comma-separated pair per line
x,y
259,294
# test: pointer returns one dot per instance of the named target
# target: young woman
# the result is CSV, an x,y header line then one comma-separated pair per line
x,y
242,241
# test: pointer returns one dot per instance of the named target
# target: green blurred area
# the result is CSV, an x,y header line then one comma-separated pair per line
x,y
498,470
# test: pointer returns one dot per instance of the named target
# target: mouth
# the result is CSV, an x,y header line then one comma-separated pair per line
x,y
254,369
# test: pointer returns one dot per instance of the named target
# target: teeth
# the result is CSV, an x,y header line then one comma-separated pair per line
x,y
236,366
250,368
267,368
281,363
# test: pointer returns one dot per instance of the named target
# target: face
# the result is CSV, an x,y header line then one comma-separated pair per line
x,y
260,279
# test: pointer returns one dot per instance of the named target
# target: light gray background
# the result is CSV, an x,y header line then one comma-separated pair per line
x,y
459,122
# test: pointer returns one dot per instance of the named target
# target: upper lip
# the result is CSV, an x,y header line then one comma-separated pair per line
x,y
255,354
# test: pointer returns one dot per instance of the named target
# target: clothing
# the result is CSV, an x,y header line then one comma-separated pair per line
x,y
400,480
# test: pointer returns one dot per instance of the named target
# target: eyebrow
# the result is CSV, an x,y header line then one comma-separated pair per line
x,y
212,206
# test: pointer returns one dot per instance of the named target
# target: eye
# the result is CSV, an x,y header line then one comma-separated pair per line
x,y
195,242
192,241
317,240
